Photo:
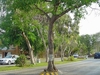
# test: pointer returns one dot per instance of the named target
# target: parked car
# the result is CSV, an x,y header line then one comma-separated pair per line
x,y
97,55
10,59
75,55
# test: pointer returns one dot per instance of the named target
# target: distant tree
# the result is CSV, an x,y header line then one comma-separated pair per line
x,y
96,44
61,31
67,30
88,41
42,32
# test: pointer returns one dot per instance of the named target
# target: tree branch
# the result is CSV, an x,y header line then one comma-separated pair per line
x,y
48,0
95,8
42,11
67,10
56,6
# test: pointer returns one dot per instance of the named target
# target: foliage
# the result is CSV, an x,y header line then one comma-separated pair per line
x,y
70,58
87,41
15,24
21,61
96,44
67,30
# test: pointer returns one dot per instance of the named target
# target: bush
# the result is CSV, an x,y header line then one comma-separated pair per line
x,y
21,61
71,58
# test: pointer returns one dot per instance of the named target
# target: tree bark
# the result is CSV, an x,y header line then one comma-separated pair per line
x,y
30,49
51,66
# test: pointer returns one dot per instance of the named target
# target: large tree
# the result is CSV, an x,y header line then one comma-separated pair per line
x,y
61,30
88,41
20,31
67,30
52,9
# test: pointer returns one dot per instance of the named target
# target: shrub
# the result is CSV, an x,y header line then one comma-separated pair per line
x,y
21,61
71,58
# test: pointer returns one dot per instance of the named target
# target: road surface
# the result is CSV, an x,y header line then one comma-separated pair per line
x,y
86,67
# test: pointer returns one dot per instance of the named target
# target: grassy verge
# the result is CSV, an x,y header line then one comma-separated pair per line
x,y
5,68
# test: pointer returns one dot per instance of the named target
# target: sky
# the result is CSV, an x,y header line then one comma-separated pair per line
x,y
91,23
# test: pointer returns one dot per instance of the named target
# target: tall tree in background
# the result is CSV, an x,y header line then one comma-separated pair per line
x,y
61,30
96,44
88,41
42,31
67,30
52,9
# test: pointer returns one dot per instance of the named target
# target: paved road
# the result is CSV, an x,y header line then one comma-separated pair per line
x,y
86,67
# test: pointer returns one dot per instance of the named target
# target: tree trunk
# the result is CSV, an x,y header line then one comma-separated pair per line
x,y
46,48
62,49
51,66
61,52
30,49
47,55
44,43
69,52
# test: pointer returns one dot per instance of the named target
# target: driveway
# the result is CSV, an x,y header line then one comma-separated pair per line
x,y
86,67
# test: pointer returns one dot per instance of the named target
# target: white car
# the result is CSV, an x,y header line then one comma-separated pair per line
x,y
10,59
76,55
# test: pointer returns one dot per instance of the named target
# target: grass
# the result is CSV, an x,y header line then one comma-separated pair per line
x,y
5,68
9,68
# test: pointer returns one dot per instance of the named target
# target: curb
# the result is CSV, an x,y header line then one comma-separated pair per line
x,y
49,73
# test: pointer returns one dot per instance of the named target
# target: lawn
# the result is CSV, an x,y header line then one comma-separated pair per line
x,y
5,68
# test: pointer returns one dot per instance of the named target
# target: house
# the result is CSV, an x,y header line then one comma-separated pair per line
x,y
11,50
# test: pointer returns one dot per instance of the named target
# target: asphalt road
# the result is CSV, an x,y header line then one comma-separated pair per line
x,y
86,67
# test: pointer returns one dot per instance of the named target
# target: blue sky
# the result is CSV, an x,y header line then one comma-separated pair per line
x,y
91,23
